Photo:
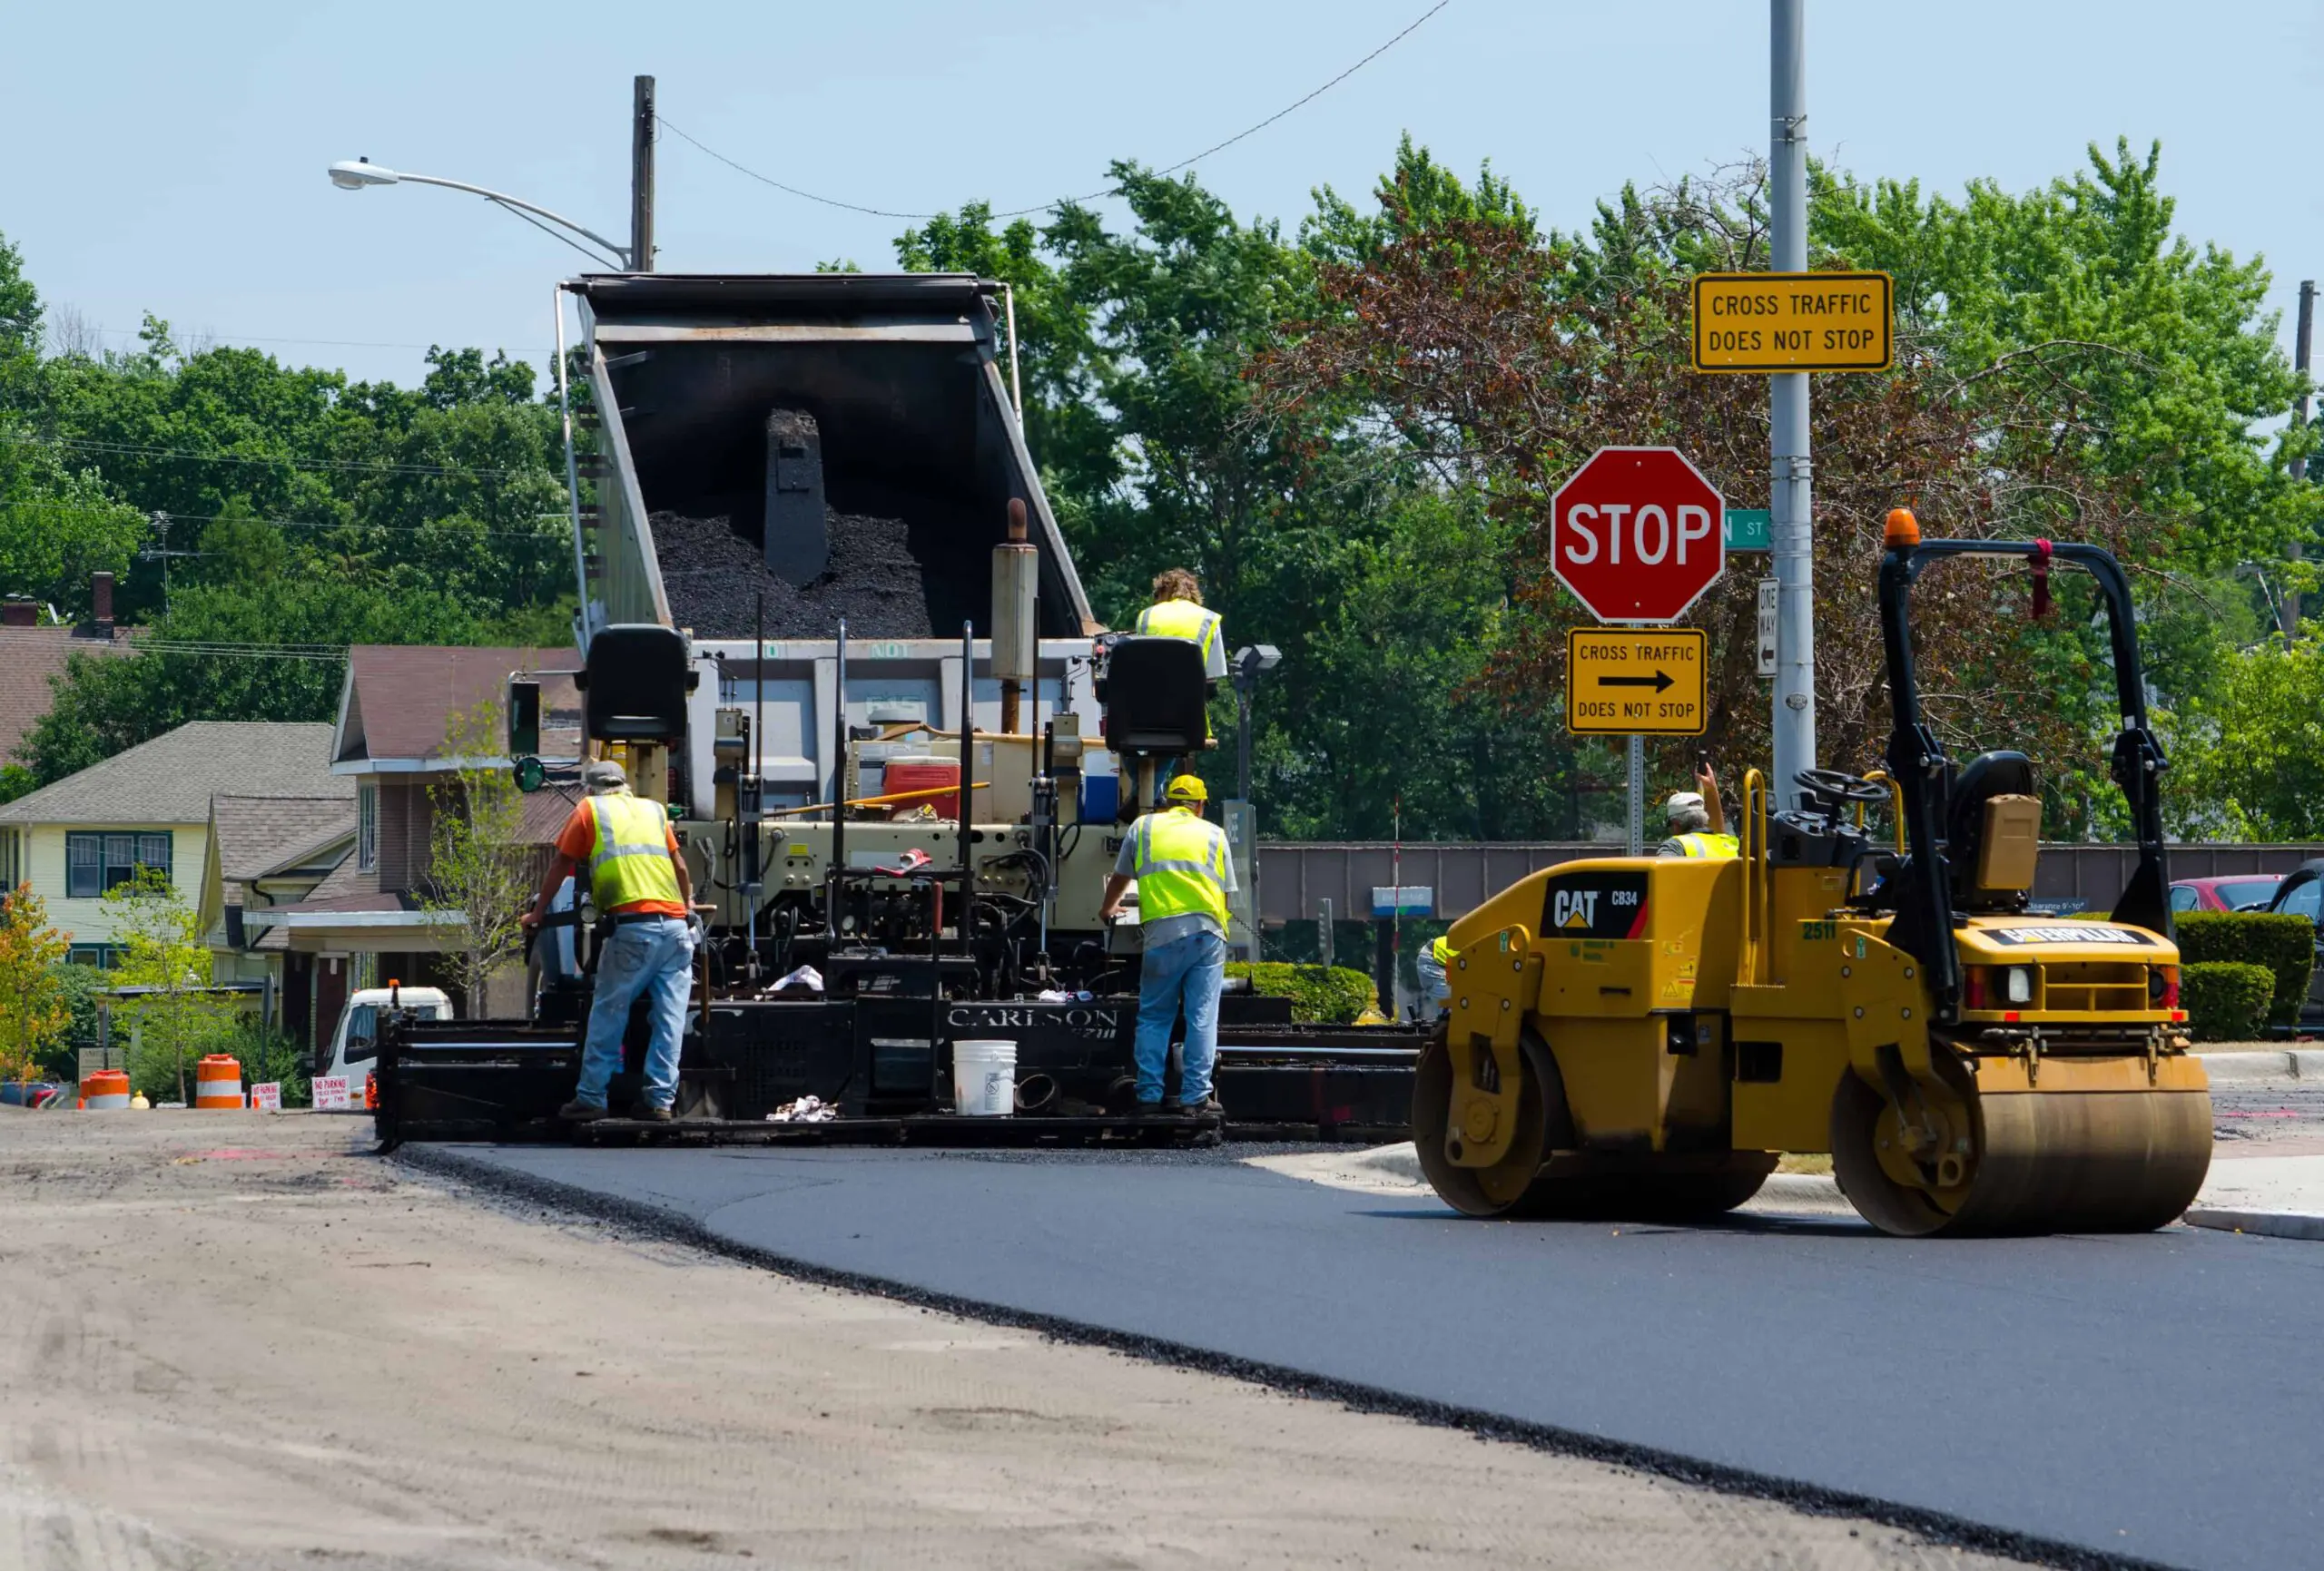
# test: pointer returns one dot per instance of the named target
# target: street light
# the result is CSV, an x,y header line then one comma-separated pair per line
x,y
354,175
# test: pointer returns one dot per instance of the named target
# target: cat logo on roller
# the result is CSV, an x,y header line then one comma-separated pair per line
x,y
1664,1028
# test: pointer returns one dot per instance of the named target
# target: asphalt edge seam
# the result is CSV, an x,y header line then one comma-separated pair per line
x,y
1814,1500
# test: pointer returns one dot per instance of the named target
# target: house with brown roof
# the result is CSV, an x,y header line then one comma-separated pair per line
x,y
398,709
34,657
265,852
149,807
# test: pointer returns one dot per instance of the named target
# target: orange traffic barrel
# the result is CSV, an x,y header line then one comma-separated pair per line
x,y
218,1082
105,1089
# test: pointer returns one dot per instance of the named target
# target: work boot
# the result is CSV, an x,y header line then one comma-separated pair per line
x,y
655,1115
1208,1107
1144,1109
579,1112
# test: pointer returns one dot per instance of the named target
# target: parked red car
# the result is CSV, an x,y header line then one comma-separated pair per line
x,y
2235,892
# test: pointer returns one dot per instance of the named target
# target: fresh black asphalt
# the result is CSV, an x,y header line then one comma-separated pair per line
x,y
2156,1397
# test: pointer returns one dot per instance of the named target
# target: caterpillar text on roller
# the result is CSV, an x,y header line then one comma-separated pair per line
x,y
1642,1037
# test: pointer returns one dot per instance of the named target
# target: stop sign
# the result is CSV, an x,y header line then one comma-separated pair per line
x,y
1636,534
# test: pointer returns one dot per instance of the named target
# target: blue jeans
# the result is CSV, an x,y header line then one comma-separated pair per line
x,y
1436,988
656,960
1193,968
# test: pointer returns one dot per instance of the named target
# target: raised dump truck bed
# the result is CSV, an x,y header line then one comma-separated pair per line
x,y
876,406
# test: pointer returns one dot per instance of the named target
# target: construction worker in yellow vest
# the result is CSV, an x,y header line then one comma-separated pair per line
x,y
1435,964
1178,613
1179,860
1698,821
638,876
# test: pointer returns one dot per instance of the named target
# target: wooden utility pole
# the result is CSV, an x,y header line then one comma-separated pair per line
x,y
641,176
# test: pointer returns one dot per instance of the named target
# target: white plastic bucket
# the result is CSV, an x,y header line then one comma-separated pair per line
x,y
984,1079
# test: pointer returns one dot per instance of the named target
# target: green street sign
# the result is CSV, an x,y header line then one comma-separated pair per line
x,y
1746,529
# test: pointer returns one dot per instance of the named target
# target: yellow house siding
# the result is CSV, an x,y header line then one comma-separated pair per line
x,y
90,922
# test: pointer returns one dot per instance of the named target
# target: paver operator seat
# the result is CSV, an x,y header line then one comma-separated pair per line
x,y
1155,694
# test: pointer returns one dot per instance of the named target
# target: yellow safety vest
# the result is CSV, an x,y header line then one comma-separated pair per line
x,y
1442,951
1180,866
1181,619
629,860
1709,845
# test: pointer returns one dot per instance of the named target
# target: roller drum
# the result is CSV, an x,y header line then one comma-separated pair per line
x,y
1534,1182
2044,1162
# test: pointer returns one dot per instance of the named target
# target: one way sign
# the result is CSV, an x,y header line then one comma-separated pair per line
x,y
1635,682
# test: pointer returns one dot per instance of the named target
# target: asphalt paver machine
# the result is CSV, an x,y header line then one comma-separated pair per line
x,y
1643,1038
829,619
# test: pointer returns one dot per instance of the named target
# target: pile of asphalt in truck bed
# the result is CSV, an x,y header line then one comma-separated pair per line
x,y
714,576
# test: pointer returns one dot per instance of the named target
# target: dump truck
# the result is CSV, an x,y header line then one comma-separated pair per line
x,y
827,615
1644,1037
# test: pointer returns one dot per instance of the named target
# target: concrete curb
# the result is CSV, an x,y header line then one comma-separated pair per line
x,y
2270,1223
2265,1064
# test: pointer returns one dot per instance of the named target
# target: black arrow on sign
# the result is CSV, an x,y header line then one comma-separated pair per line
x,y
1659,681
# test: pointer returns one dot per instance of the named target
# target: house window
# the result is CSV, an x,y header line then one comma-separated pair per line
x,y
366,827
9,878
103,957
94,863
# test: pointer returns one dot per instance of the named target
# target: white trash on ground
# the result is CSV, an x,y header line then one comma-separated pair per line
x,y
806,1110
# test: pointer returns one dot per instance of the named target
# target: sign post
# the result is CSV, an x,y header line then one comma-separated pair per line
x,y
1638,534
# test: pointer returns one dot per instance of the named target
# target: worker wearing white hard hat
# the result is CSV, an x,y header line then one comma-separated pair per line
x,y
1698,821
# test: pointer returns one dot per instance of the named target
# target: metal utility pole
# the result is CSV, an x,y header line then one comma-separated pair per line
x,y
1637,796
641,175
1789,495
2288,608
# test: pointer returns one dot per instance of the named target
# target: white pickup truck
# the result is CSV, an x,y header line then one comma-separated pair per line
x,y
355,1043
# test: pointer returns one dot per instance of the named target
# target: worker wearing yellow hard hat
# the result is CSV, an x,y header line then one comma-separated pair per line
x,y
1179,860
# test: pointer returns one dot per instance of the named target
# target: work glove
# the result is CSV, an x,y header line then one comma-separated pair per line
x,y
695,931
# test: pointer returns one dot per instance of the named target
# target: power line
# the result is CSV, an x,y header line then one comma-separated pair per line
x,y
225,338
1062,202
128,449
201,648
293,523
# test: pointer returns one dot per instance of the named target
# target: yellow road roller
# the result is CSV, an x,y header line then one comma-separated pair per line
x,y
1641,1037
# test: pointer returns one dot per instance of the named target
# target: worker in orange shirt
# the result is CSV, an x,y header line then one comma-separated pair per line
x,y
638,876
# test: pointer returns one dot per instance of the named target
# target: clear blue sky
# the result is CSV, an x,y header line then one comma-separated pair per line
x,y
171,158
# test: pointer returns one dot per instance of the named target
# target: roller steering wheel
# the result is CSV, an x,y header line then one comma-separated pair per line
x,y
1840,785
1831,790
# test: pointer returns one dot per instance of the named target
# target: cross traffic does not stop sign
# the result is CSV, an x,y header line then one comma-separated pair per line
x,y
1635,534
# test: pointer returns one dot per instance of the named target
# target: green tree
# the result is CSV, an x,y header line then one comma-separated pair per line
x,y
2247,761
33,1013
177,1019
2165,368
478,868
59,526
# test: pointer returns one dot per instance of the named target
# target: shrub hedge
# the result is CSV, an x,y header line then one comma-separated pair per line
x,y
2226,1000
1319,995
2284,945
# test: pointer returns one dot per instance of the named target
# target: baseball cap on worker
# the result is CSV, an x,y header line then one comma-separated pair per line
x,y
1683,802
1188,787
603,775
